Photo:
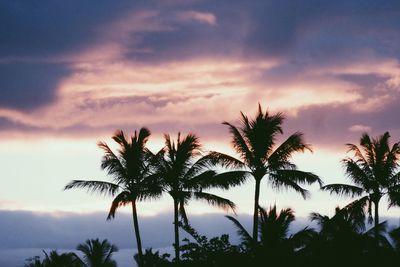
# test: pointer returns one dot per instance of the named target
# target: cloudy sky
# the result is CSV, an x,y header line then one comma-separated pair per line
x,y
72,72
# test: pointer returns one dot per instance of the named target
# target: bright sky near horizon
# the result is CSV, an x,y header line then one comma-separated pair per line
x,y
72,72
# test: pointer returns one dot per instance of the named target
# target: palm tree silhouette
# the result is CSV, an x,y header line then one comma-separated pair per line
x,y
343,236
255,140
132,173
374,170
153,259
275,244
395,235
53,259
97,254
181,174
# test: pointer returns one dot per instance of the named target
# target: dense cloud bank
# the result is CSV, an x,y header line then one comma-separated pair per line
x,y
23,229
72,68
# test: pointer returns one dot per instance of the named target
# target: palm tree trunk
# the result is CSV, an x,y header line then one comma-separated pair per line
x,y
136,228
376,217
256,205
176,228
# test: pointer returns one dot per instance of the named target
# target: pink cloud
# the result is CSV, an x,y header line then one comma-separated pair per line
x,y
201,17
359,128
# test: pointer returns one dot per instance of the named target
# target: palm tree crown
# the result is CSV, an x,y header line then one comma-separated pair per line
x,y
255,142
132,174
182,172
97,254
374,170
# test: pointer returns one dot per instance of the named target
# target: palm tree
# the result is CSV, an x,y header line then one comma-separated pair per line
x,y
53,259
97,254
275,244
255,142
374,170
153,259
343,236
182,176
132,173
395,235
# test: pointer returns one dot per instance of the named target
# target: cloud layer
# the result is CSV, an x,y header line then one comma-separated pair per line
x,y
72,69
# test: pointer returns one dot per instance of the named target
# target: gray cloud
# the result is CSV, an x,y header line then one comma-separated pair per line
x,y
25,86
32,34
22,229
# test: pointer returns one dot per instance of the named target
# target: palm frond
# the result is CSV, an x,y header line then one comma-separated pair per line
x,y
101,187
282,182
214,158
299,176
111,162
239,143
199,181
242,232
301,238
148,188
182,212
215,200
343,189
356,212
274,226
282,154
260,133
368,147
120,138
143,137
394,195
122,199
223,180
319,218
362,176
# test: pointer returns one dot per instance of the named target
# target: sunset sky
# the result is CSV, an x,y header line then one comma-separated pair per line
x,y
72,72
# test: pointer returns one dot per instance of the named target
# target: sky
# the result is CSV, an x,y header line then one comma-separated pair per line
x,y
73,72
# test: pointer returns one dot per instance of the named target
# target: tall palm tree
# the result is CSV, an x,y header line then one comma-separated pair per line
x,y
182,171
255,142
97,254
132,176
374,170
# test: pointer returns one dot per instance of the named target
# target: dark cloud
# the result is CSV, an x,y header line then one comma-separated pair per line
x,y
35,32
299,29
25,86
40,29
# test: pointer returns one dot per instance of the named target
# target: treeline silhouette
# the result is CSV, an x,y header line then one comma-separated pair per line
x,y
185,172
94,253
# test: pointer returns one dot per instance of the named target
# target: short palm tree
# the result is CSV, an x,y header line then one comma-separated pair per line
x,y
275,244
343,236
374,170
255,142
131,170
97,254
182,171
53,259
